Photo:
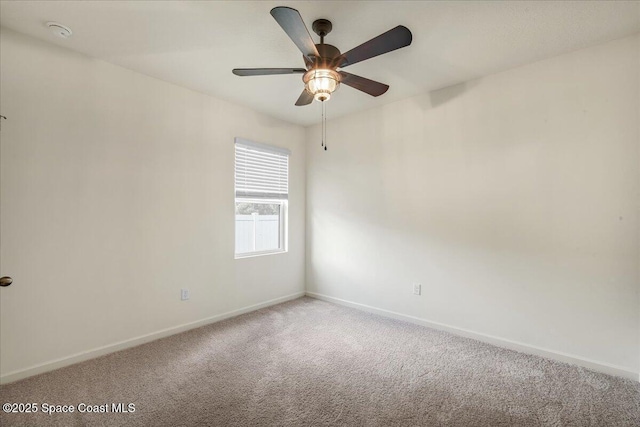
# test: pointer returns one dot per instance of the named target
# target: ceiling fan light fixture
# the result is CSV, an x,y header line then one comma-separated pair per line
x,y
321,83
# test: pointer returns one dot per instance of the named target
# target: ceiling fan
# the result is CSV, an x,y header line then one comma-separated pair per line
x,y
321,76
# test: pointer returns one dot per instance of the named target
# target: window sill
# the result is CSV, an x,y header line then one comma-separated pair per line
x,y
257,254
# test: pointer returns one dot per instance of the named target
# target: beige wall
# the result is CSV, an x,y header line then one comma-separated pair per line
x,y
117,190
513,200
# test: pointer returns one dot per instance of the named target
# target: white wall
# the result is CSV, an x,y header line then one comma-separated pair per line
x,y
116,191
513,199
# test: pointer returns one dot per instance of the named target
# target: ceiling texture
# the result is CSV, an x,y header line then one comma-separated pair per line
x,y
195,44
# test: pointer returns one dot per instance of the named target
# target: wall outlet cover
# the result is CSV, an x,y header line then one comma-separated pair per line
x,y
417,289
184,294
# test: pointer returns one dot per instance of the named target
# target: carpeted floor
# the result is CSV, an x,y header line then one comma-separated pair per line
x,y
312,363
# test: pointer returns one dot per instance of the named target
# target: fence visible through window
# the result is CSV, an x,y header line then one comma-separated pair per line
x,y
256,233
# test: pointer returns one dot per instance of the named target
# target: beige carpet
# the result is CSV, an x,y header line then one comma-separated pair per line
x,y
311,363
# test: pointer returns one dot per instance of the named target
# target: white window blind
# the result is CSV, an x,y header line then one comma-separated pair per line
x,y
262,171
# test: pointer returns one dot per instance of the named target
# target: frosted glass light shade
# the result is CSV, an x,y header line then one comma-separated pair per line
x,y
321,83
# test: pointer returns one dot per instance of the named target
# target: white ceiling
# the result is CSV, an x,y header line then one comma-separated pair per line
x,y
195,44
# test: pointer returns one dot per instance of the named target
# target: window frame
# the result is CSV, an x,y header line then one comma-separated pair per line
x,y
279,195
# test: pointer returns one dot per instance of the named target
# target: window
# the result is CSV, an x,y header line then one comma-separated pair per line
x,y
262,193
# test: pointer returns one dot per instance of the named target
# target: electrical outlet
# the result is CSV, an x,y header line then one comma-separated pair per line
x,y
184,294
417,289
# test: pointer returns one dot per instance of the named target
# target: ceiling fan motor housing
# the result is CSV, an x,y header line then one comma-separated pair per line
x,y
328,56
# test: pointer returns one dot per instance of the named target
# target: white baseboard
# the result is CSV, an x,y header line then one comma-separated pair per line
x,y
101,351
497,341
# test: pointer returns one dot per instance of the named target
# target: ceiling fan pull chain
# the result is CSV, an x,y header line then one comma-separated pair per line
x,y
324,126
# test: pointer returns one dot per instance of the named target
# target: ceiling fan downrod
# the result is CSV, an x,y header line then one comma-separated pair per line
x,y
322,27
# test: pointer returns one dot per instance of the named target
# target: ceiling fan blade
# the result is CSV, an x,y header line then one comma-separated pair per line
x,y
371,87
266,71
305,98
393,39
292,24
